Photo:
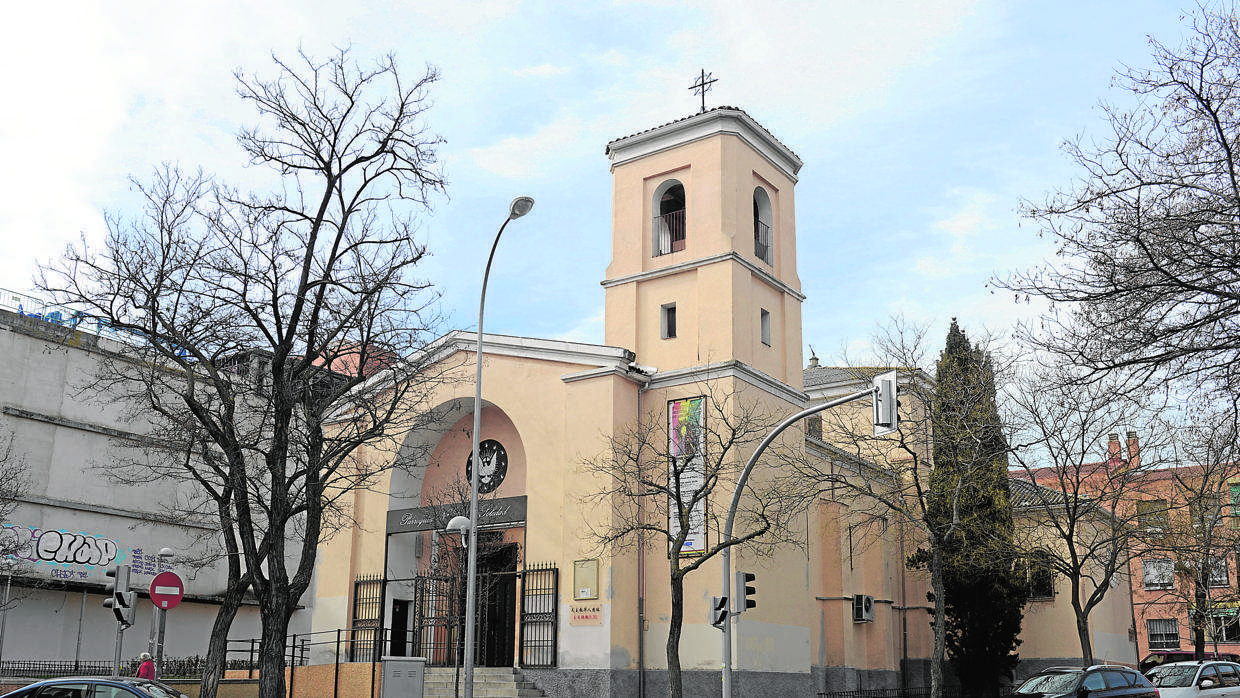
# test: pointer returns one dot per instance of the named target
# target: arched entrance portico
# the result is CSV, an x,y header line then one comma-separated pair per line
x,y
426,564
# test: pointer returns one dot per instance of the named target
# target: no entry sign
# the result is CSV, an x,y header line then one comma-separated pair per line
x,y
167,590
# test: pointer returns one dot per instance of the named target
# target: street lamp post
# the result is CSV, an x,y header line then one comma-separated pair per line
x,y
519,207
7,565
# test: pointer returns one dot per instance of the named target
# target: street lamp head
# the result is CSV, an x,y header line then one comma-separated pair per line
x,y
462,525
166,553
519,207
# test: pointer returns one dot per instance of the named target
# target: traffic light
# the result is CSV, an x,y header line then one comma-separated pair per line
x,y
886,404
719,611
744,591
120,599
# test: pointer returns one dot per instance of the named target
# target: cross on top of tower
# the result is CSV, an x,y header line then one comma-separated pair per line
x,y
701,85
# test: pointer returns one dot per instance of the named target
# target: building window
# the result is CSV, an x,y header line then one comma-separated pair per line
x,y
1217,576
1152,515
366,598
1206,511
813,427
667,321
1157,573
1225,626
762,241
668,226
1163,633
1039,575
1235,505
765,320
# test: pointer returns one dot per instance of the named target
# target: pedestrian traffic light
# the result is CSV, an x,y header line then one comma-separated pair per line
x,y
886,403
719,611
120,599
744,591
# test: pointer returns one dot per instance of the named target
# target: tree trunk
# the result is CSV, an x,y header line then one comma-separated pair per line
x,y
1198,619
674,687
271,654
217,643
1082,625
940,622
1087,646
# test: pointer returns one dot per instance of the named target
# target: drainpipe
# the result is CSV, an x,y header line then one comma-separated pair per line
x,y
904,613
647,372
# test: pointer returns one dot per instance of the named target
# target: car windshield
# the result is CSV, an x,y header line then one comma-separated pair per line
x,y
1172,675
157,690
1050,683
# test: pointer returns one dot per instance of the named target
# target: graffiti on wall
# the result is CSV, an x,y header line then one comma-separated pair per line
x,y
59,547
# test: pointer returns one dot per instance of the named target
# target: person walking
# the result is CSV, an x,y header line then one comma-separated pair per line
x,y
146,670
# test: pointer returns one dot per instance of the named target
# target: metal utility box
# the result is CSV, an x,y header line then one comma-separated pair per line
x,y
403,677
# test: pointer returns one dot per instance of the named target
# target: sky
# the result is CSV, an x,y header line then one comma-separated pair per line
x,y
922,126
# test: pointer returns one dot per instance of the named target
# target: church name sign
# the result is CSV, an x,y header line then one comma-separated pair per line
x,y
491,512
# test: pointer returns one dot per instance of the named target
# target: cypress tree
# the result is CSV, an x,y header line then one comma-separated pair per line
x,y
970,506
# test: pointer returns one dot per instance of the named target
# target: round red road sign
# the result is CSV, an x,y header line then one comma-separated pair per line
x,y
167,590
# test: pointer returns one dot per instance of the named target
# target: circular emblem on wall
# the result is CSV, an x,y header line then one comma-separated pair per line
x,y
494,465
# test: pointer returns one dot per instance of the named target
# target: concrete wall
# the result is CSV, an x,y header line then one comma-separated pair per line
x,y
73,521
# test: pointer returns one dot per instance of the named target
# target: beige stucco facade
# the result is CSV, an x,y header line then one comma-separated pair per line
x,y
702,300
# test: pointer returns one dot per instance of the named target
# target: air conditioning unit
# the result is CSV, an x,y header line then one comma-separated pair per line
x,y
863,608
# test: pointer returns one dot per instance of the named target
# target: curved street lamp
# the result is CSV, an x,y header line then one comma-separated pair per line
x,y
519,207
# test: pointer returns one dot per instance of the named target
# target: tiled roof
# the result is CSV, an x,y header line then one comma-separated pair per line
x,y
1028,494
692,116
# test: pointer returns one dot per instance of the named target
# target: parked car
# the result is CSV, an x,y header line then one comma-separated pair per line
x,y
1100,681
1161,657
1197,679
96,687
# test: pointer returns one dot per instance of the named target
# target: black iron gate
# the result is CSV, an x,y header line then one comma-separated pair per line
x,y
438,610
539,615
439,617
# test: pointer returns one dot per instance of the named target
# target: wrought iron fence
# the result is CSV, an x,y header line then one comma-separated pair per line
x,y
242,656
923,692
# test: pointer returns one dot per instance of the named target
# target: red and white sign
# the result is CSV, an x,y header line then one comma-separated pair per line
x,y
167,590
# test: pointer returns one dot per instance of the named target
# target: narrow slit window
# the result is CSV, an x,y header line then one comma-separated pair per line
x,y
765,320
762,243
667,321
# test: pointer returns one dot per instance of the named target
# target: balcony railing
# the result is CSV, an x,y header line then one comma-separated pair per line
x,y
762,241
669,232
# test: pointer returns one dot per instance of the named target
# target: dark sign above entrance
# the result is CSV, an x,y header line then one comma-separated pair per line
x,y
491,512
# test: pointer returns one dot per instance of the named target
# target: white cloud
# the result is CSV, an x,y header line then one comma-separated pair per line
x,y
589,329
540,71
523,157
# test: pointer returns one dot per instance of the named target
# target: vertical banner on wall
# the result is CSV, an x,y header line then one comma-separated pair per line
x,y
686,433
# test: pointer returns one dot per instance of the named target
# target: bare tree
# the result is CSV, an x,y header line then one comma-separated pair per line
x,y
667,482
265,334
893,476
1148,271
1185,525
1075,499
14,483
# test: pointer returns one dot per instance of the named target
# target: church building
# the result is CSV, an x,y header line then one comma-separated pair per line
x,y
703,300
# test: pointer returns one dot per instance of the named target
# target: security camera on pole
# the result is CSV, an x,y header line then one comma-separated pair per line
x,y
883,391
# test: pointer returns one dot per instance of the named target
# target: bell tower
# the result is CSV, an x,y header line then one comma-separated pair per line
x,y
703,266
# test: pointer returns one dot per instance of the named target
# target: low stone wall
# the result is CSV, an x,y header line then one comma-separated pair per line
x,y
228,688
353,680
